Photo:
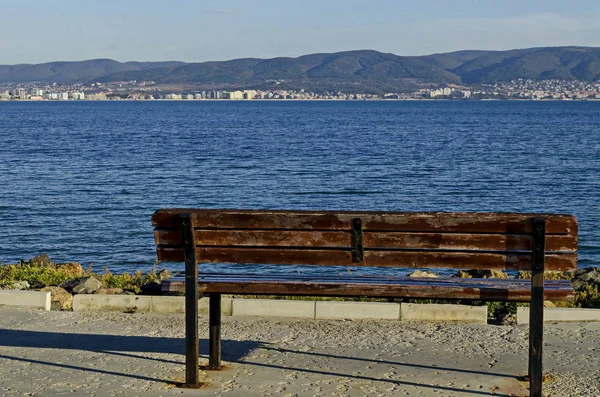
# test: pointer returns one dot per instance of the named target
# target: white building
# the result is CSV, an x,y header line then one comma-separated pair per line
x,y
96,97
249,94
234,95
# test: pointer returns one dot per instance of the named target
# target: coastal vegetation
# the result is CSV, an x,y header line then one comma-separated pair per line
x,y
46,276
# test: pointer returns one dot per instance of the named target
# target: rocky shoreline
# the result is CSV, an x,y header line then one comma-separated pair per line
x,y
78,281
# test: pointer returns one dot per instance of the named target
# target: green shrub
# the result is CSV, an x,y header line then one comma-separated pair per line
x,y
129,282
37,277
588,296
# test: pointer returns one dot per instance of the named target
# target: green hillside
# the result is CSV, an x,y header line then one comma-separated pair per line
x,y
363,70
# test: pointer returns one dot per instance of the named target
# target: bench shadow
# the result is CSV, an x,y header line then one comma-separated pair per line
x,y
116,345
233,351
245,361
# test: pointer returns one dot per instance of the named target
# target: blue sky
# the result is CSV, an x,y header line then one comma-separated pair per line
x,y
34,31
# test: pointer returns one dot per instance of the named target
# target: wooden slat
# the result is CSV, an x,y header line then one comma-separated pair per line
x,y
285,238
462,241
400,259
330,220
468,223
466,260
347,277
426,288
249,219
169,254
270,256
265,238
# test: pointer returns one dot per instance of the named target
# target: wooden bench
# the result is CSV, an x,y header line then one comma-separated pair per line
x,y
533,242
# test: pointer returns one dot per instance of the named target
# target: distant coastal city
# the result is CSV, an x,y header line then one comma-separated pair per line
x,y
520,89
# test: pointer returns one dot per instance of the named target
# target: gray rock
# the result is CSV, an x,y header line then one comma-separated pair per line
x,y
420,273
89,285
19,285
42,260
164,274
69,284
60,299
82,285
590,275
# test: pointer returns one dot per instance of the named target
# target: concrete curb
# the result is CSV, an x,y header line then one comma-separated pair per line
x,y
357,310
135,303
36,299
437,312
142,303
293,308
273,308
560,314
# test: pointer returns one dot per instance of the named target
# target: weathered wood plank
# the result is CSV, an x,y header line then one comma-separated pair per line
x,y
480,289
258,238
286,238
402,259
271,256
330,220
466,260
464,241
347,277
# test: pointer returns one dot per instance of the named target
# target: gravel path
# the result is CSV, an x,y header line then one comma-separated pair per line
x,y
118,354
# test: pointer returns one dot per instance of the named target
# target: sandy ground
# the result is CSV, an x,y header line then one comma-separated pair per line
x,y
141,354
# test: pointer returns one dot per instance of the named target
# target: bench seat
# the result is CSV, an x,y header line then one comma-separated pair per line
x,y
373,286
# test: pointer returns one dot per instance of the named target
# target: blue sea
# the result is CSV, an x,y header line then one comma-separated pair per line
x,y
80,180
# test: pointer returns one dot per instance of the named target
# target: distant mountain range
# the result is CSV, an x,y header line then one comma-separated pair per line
x,y
353,71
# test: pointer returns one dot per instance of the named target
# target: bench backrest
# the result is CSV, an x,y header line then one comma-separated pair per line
x,y
408,240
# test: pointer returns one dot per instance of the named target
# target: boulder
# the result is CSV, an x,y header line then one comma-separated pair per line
x,y
109,291
42,260
60,299
590,275
69,284
420,273
18,285
164,274
82,285
89,285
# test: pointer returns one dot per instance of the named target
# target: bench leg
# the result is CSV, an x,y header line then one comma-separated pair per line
x,y
214,348
536,334
192,344
536,310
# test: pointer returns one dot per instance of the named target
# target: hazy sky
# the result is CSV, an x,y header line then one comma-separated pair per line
x,y
33,31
